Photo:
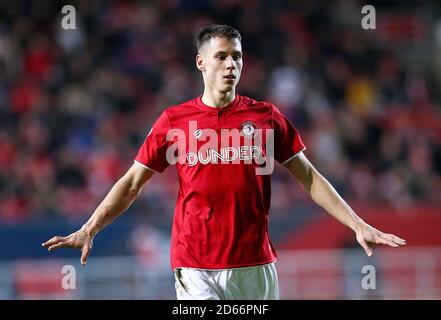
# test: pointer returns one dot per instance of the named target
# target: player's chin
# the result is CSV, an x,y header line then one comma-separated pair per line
x,y
227,88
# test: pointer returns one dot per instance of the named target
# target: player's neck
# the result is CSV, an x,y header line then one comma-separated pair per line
x,y
218,99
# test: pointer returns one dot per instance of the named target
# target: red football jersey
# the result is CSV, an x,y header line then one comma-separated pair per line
x,y
221,214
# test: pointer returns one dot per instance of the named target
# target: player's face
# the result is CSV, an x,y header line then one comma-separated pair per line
x,y
220,61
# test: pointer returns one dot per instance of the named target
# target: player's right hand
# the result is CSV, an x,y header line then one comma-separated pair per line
x,y
77,240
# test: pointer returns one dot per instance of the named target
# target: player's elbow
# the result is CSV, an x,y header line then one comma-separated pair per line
x,y
307,180
134,188
319,187
129,187
133,193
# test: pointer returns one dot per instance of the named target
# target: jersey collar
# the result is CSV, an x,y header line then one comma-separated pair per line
x,y
229,106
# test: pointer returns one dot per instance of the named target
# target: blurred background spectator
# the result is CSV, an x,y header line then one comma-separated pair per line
x,y
76,104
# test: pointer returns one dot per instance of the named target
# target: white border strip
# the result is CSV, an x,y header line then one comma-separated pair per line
x,y
145,166
289,159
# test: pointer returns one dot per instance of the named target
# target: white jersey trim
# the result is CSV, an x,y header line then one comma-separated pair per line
x,y
289,159
145,166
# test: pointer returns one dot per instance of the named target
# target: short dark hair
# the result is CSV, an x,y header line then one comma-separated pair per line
x,y
216,30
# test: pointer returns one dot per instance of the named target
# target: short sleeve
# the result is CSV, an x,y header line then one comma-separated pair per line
x,y
153,152
287,140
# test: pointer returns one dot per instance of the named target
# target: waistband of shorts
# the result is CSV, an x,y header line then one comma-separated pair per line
x,y
227,269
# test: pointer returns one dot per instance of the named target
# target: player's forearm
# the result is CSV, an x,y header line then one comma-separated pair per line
x,y
119,199
325,195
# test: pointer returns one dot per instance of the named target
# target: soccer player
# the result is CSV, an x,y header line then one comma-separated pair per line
x,y
220,246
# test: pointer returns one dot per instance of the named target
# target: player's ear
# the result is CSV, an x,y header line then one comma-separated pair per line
x,y
200,62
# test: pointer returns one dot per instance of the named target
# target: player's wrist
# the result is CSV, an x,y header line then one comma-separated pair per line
x,y
357,224
89,230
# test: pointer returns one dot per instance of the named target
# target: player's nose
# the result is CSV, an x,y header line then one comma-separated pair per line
x,y
230,63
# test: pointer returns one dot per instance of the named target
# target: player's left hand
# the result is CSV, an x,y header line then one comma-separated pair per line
x,y
366,235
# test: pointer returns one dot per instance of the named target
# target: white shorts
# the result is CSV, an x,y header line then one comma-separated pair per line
x,y
248,283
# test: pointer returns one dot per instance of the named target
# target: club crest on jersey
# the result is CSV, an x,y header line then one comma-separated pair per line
x,y
248,128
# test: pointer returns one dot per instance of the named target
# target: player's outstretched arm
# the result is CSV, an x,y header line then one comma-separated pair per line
x,y
119,198
324,194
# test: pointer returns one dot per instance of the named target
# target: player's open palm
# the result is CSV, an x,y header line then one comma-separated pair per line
x,y
78,240
367,235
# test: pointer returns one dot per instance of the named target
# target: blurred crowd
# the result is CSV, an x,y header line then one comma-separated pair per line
x,y
75,105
